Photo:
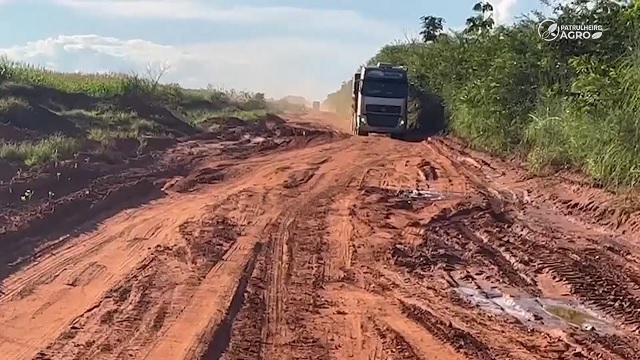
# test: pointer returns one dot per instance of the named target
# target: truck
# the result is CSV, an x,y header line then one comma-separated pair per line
x,y
380,100
316,106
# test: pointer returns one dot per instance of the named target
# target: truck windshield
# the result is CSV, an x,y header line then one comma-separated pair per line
x,y
385,88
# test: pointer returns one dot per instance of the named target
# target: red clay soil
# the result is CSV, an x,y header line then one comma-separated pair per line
x,y
88,189
282,243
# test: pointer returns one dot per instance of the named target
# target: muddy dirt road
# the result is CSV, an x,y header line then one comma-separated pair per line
x,y
336,247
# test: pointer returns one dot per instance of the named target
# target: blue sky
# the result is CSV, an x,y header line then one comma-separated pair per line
x,y
279,47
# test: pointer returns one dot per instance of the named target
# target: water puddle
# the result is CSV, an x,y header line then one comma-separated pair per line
x,y
408,199
258,139
417,194
537,311
406,194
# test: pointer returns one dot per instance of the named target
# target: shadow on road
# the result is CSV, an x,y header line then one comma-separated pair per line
x,y
415,136
428,115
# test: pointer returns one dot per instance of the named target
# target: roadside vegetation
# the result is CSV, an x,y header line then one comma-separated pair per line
x,y
51,116
559,103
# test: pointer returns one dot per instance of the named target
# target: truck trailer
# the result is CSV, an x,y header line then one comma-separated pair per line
x,y
379,100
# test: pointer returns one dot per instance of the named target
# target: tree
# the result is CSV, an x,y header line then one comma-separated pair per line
x,y
483,21
432,27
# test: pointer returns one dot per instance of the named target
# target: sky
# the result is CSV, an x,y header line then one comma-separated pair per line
x,y
278,47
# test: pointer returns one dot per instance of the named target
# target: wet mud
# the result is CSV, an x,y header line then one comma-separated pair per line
x,y
290,240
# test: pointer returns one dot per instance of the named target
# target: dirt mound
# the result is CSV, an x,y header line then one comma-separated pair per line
x,y
228,122
55,99
45,111
157,113
12,134
128,146
267,121
38,119
149,144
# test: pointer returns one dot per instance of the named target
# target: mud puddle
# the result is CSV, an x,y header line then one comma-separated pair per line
x,y
408,194
408,199
535,311
418,194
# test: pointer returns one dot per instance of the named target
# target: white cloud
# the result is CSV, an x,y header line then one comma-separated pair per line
x,y
312,61
504,10
292,17
269,65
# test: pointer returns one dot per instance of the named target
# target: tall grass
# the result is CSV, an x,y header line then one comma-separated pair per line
x,y
111,84
99,85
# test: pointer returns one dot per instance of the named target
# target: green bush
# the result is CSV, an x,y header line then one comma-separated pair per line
x,y
505,90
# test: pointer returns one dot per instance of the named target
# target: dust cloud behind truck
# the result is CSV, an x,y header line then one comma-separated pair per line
x,y
380,100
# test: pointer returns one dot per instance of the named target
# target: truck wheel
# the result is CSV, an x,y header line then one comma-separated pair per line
x,y
397,136
362,133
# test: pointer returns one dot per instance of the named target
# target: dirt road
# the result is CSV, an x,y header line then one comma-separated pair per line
x,y
332,247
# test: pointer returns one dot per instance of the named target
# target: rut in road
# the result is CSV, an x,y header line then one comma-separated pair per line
x,y
360,248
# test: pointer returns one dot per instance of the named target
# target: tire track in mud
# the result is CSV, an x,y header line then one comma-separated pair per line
x,y
481,229
283,296
275,297
131,314
221,338
175,280
590,274
595,346
524,251
370,216
394,346
596,283
248,331
49,289
280,257
296,283
274,291
461,340
476,233
165,281
222,292
449,243
262,303
371,208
